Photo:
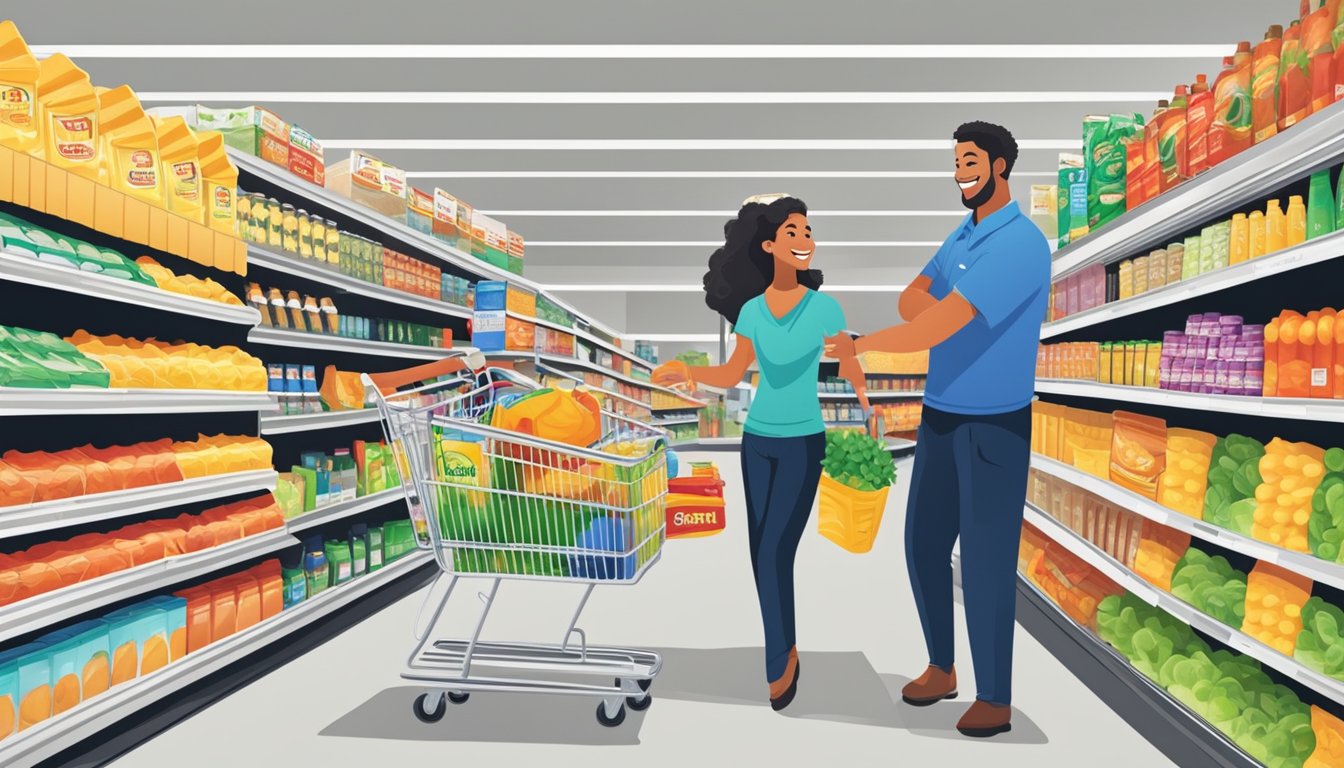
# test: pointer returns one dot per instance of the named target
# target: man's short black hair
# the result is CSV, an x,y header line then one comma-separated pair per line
x,y
995,140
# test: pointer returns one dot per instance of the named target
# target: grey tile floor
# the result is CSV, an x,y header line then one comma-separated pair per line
x,y
344,704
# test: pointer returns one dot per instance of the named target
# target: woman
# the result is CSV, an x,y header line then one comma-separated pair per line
x,y
762,283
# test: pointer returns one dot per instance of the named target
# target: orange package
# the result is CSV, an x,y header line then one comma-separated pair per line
x,y
73,569
1138,452
1274,600
52,480
16,488
107,559
223,611
272,587
200,625
1294,370
1159,550
248,594
1271,375
1329,730
98,476
36,579
1323,355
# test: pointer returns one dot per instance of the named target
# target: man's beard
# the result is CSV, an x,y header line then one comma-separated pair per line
x,y
982,196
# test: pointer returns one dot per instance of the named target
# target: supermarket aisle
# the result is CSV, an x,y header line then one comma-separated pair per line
x,y
344,704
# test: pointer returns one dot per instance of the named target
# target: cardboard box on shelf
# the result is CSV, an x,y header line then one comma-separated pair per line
x,y
370,182
306,159
521,300
519,335
420,211
444,225
515,251
489,240
254,130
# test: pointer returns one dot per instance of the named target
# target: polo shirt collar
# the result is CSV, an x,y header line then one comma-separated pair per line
x,y
992,223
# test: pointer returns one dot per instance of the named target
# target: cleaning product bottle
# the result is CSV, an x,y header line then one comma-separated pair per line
x,y
1320,206
1152,171
1276,228
179,152
1294,82
67,108
219,182
1297,221
1198,118
1171,142
1255,229
129,153
1230,131
1264,85
18,91
1337,59
1319,45
1239,239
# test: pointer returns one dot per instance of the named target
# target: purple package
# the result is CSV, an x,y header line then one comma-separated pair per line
x,y
1185,376
1220,378
1071,293
1241,351
1192,324
1231,325
1226,347
1098,285
1236,377
1254,384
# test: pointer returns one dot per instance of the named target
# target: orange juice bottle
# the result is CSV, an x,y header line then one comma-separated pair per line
x,y
1255,231
18,91
1297,220
1276,228
1230,131
1294,373
67,109
129,155
1307,336
179,152
1152,167
1271,377
1265,83
1319,45
220,179
1323,357
1198,118
1294,82
1239,239
1172,132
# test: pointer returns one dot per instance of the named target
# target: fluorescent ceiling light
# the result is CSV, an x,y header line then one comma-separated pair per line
x,y
704,174
687,288
655,97
450,51
716,243
712,214
688,337
941,145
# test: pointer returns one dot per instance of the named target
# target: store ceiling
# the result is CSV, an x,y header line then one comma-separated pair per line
x,y
619,136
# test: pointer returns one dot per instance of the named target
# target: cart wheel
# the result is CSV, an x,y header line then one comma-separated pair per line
x,y
429,716
458,698
644,684
639,703
610,722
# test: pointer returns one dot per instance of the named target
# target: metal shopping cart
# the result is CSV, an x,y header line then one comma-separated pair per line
x,y
499,505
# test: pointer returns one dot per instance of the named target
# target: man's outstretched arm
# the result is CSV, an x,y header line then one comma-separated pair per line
x,y
930,328
916,298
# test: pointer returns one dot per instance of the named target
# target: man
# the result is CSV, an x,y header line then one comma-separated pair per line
x,y
978,306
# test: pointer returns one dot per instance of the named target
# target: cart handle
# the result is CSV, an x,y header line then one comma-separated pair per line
x,y
394,380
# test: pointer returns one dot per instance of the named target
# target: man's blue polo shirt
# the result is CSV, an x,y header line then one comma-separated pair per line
x,y
1002,267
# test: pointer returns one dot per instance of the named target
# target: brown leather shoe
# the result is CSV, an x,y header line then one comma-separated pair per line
x,y
986,719
785,688
931,687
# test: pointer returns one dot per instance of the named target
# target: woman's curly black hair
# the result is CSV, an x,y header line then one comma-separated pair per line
x,y
741,270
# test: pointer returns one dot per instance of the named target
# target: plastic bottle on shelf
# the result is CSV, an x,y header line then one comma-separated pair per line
x,y
1126,279
1230,131
1323,358
1297,221
1320,206
1264,84
1199,117
1276,228
1239,239
1294,83
1318,44
1173,131
1152,173
1193,252
1255,230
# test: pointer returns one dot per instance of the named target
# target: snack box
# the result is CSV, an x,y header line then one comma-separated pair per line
x,y
306,158
254,130
519,335
444,226
521,300
370,182
420,211
489,240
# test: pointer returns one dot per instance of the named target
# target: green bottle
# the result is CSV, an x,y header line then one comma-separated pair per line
x,y
1320,206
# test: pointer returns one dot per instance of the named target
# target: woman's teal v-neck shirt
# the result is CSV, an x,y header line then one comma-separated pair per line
x,y
788,350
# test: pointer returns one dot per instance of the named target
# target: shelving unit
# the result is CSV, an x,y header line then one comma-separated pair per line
x,y
88,401
282,425
1302,408
49,738
280,337
64,513
47,274
589,338
342,510
58,605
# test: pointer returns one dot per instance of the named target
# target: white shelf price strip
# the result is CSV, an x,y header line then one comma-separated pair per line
x,y
280,425
1316,251
50,737
282,337
343,509
1306,409
78,510
60,604
47,274
19,401
1196,619
1301,563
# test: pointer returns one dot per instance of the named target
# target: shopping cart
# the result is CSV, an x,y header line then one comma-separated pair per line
x,y
500,505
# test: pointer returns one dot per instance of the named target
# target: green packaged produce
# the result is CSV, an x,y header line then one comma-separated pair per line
x,y
296,585
340,568
1104,154
1234,474
1212,585
1325,530
374,542
359,551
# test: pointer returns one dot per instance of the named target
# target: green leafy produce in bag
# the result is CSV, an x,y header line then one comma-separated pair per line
x,y
1234,474
858,460
1325,530
1320,646
1212,585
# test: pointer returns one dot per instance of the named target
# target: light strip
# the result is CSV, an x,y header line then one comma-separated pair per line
x,y
684,288
716,243
449,51
655,97
710,214
703,174
514,145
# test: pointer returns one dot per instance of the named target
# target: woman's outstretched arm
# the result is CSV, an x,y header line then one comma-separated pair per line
x,y
729,374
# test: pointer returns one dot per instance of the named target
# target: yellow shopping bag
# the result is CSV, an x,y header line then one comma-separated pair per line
x,y
850,517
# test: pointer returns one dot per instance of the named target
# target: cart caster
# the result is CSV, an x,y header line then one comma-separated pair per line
x,y
425,715
610,721
458,698
639,703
